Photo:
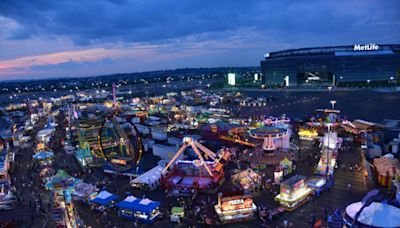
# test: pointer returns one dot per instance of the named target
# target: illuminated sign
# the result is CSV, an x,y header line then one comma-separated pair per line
x,y
118,161
235,202
231,79
366,47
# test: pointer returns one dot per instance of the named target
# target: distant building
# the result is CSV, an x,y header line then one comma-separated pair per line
x,y
327,66
231,79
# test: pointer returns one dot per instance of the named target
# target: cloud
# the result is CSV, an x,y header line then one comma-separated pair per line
x,y
91,22
162,33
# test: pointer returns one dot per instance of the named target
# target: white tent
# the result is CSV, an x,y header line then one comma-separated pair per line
x,y
149,180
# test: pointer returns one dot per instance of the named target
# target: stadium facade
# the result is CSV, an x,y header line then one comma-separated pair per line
x,y
326,66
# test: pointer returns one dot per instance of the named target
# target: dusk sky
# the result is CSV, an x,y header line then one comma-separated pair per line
x,y
57,38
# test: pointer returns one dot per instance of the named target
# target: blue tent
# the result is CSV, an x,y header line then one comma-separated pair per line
x,y
43,155
148,209
104,198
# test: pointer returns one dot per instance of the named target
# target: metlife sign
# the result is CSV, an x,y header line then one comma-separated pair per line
x,y
366,47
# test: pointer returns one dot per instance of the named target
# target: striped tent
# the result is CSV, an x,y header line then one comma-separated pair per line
x,y
386,169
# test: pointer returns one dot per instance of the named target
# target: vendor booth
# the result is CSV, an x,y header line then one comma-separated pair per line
x,y
84,192
248,180
46,173
103,200
235,207
318,184
278,176
177,213
44,157
293,192
386,169
143,210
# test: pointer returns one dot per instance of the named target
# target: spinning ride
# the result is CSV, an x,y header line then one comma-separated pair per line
x,y
188,177
270,132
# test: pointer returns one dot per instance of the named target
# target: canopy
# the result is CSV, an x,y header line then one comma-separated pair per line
x,y
177,210
43,155
127,202
104,198
386,166
286,162
82,189
134,204
62,180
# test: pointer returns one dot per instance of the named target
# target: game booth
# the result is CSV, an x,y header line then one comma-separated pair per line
x,y
143,210
84,192
248,180
103,201
293,192
235,207
326,164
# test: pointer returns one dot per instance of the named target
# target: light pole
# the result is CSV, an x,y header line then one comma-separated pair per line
x,y
368,81
391,80
327,152
333,104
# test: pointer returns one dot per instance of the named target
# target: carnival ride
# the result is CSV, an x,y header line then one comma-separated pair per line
x,y
196,175
117,148
236,135
269,132
108,142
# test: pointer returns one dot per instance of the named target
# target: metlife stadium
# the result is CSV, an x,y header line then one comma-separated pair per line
x,y
332,66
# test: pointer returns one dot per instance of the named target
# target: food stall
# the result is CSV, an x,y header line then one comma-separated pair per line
x,y
177,213
308,134
293,192
247,180
103,200
143,210
235,207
